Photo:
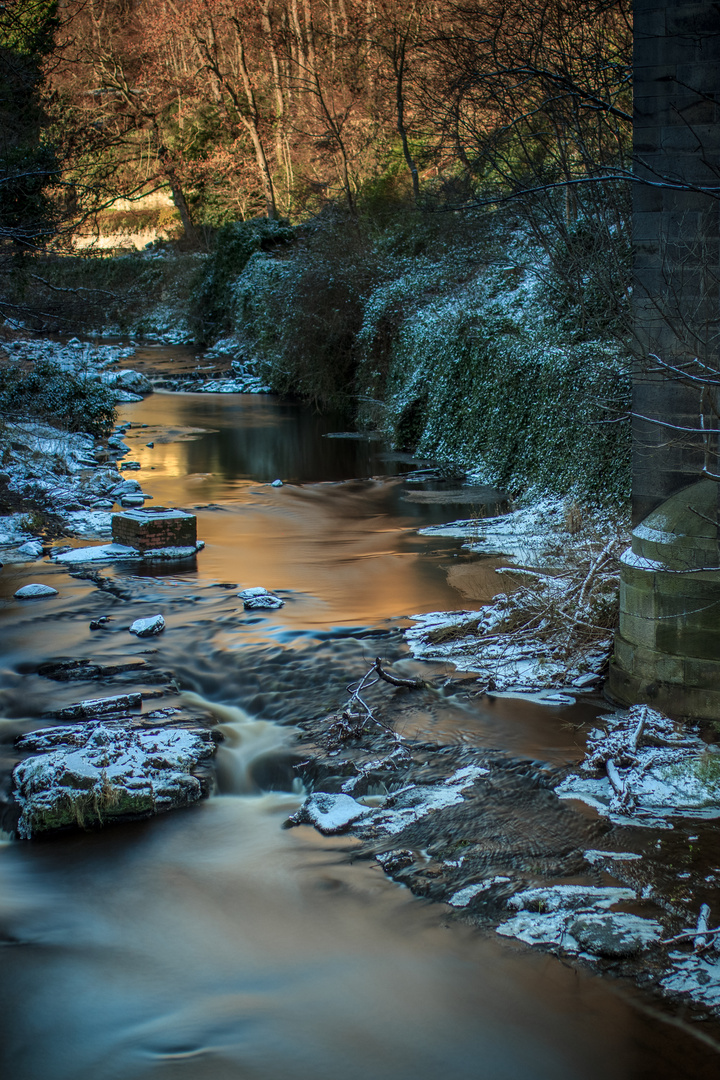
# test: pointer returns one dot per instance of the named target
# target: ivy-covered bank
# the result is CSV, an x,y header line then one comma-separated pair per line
x,y
462,350
457,335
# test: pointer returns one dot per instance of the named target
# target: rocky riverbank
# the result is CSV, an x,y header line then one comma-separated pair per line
x,y
502,841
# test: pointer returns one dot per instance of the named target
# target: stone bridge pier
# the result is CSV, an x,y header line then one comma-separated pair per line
x,y
667,650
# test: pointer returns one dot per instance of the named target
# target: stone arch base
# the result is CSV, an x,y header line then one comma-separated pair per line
x,y
667,649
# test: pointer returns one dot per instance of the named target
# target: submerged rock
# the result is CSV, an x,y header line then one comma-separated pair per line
x,y
35,591
148,627
99,772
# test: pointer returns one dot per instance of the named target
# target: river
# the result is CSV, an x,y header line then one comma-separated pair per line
x,y
211,944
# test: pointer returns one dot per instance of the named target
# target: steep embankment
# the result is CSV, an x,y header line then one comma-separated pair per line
x,y
460,351
457,339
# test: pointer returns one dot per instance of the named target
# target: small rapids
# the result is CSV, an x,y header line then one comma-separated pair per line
x,y
254,755
211,943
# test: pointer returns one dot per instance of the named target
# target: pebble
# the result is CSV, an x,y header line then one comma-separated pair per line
x,y
30,592
277,483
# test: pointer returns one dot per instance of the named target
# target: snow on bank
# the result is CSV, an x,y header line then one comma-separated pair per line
x,y
556,628
575,918
642,768
522,534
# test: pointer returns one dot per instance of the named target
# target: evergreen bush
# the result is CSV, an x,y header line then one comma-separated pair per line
x,y
50,393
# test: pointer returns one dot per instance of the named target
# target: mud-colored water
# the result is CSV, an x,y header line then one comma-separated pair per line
x,y
211,943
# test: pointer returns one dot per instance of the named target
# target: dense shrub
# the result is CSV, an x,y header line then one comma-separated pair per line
x,y
299,313
234,245
48,392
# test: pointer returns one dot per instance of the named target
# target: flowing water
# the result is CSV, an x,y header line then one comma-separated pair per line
x,y
211,943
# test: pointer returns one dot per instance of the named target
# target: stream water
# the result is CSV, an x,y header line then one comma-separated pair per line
x,y
211,944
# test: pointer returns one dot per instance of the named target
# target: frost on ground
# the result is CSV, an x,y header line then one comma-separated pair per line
x,y
642,768
63,474
555,629
694,976
92,773
336,812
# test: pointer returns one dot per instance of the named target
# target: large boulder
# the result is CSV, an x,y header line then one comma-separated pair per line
x,y
93,773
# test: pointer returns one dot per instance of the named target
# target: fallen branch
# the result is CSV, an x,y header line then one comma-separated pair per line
x,y
411,684
615,778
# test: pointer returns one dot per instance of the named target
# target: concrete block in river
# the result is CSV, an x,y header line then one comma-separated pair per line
x,y
154,527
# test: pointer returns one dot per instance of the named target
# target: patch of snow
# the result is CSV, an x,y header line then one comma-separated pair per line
x,y
521,534
462,897
553,898
409,805
694,976
169,553
638,562
575,918
99,553
89,523
594,856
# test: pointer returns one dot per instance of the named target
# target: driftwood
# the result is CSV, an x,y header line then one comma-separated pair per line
x,y
619,785
411,684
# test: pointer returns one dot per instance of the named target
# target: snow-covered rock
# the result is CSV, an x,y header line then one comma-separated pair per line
x,y
547,915
259,599
32,549
329,813
100,772
97,553
149,627
34,592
